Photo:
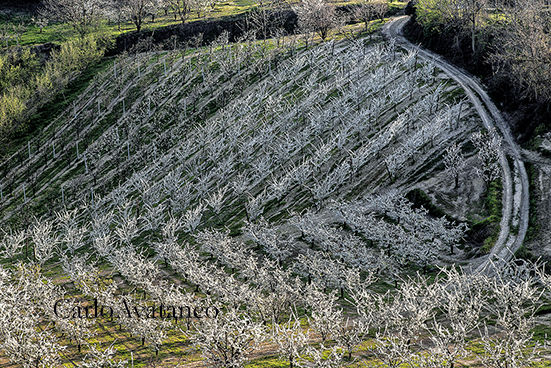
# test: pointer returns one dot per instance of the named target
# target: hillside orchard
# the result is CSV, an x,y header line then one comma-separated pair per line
x,y
247,199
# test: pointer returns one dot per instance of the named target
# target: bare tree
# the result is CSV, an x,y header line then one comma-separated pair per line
x,y
316,16
521,52
265,15
11,243
515,301
290,339
463,15
489,148
98,358
199,6
82,15
181,7
365,12
349,334
380,7
473,9
137,10
45,240
227,341
116,11
454,162
40,22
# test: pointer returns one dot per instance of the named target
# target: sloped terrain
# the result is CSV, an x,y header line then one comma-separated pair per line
x,y
244,177
149,109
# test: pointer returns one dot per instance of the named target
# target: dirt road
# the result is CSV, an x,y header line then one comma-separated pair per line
x,y
515,192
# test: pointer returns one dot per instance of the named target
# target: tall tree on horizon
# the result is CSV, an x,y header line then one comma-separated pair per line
x,y
316,16
137,10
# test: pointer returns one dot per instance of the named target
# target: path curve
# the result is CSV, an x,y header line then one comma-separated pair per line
x,y
507,243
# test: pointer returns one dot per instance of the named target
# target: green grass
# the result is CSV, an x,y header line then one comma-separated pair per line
x,y
494,205
542,364
494,198
60,32
533,224
267,362
57,105
454,96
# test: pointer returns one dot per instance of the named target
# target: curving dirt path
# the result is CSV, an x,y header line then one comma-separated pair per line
x,y
515,192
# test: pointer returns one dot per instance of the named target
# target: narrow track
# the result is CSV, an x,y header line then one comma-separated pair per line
x,y
507,243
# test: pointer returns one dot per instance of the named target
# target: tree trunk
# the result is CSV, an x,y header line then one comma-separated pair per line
x,y
472,34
